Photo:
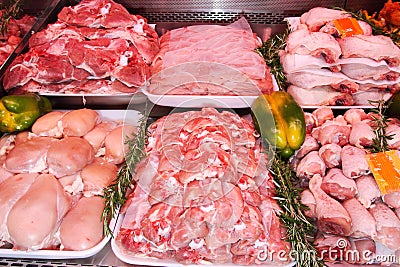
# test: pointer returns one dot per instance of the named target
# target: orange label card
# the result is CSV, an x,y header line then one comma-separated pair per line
x,y
385,167
347,27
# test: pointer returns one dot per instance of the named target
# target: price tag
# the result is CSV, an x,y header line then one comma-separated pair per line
x,y
347,27
385,167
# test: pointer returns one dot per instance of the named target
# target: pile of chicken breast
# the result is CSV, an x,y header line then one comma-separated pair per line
x,y
341,193
52,179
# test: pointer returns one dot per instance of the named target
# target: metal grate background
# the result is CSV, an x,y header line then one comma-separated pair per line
x,y
216,16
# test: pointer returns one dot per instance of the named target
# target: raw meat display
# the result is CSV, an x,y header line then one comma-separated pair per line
x,y
16,30
324,67
344,198
52,180
202,194
210,60
104,49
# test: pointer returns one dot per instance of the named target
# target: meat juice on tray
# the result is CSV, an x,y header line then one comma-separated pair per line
x,y
203,194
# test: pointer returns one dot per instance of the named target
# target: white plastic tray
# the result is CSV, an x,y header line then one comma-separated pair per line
x,y
57,254
96,99
150,261
199,101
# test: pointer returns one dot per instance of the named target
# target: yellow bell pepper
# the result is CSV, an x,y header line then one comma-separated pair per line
x,y
280,121
19,112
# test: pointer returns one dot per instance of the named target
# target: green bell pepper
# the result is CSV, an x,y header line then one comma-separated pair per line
x,y
19,112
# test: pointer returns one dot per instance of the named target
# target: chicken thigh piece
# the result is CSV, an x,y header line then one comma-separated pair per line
x,y
305,42
361,135
34,219
332,217
392,199
98,175
376,47
317,17
330,154
82,226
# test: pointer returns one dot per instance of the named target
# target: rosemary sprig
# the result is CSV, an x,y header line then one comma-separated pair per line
x,y
10,10
115,194
269,50
380,123
299,230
